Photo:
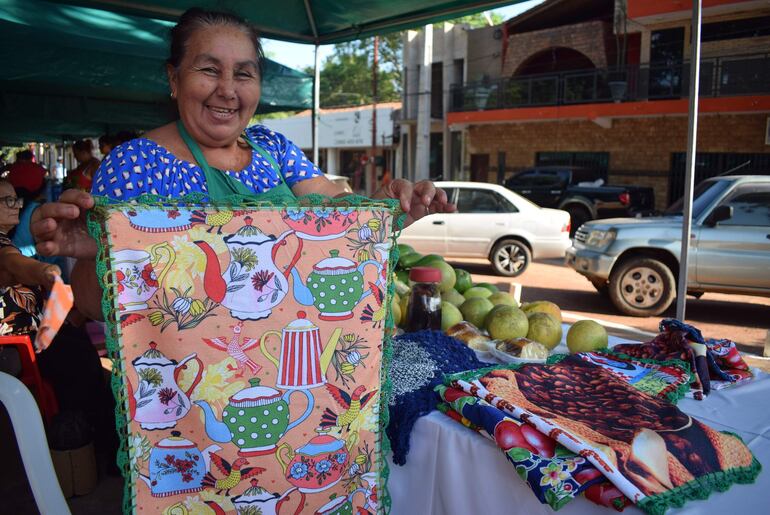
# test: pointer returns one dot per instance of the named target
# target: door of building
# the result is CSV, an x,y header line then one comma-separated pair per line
x,y
480,167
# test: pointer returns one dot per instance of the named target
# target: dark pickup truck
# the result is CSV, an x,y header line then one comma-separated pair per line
x,y
581,193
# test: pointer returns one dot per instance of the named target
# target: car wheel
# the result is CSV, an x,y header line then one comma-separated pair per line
x,y
601,286
642,287
510,258
578,216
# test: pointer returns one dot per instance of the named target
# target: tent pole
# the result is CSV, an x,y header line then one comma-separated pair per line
x,y
316,105
692,143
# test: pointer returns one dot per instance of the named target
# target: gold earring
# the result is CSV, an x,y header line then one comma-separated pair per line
x,y
172,94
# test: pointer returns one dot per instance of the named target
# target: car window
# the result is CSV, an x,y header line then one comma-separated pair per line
x,y
450,194
522,180
751,207
551,178
482,201
702,196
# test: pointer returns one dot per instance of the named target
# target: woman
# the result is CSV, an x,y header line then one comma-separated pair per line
x,y
71,364
214,72
82,176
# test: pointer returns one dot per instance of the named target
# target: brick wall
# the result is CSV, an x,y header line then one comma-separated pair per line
x,y
587,38
640,148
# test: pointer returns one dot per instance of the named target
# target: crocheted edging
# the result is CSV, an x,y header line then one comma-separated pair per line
x,y
701,487
95,222
672,396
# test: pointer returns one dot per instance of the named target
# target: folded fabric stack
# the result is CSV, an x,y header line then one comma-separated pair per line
x,y
653,454
716,361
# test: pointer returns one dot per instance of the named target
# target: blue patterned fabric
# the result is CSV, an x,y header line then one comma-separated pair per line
x,y
418,364
141,166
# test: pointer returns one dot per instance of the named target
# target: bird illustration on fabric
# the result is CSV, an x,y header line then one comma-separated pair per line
x,y
237,348
234,474
370,314
353,404
215,220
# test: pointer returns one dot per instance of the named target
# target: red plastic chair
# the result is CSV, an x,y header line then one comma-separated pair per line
x,y
30,375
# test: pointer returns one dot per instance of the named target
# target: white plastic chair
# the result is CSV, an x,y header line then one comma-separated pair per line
x,y
33,446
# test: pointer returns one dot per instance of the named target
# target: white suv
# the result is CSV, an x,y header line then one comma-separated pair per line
x,y
494,223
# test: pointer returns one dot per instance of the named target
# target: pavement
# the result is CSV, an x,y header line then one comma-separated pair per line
x,y
743,319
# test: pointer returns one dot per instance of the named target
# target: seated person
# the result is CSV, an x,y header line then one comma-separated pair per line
x,y
71,364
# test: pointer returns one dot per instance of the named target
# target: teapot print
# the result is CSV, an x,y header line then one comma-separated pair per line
x,y
251,284
158,402
317,465
335,286
176,466
255,419
257,500
137,276
302,363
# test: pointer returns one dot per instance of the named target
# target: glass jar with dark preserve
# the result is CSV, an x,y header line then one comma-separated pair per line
x,y
424,308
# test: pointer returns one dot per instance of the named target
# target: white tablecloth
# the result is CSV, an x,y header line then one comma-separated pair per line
x,y
451,470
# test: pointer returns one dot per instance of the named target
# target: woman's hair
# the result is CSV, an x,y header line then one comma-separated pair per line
x,y
83,145
195,19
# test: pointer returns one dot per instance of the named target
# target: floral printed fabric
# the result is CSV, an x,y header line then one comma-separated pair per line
x,y
251,344
20,306
555,474
141,166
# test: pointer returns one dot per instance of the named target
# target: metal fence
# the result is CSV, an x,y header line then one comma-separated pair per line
x,y
720,76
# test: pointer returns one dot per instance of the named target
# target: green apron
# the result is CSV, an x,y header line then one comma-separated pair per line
x,y
221,185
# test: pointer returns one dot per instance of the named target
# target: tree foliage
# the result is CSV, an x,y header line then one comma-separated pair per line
x,y
346,75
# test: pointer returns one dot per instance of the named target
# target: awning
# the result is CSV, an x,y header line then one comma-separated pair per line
x,y
72,71
312,21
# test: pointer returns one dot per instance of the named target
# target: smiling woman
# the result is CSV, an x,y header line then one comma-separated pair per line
x,y
214,73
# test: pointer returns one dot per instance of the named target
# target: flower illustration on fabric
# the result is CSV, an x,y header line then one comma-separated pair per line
x,y
173,214
295,214
260,279
322,212
148,274
120,276
341,457
166,395
323,466
571,464
364,233
553,474
345,211
298,470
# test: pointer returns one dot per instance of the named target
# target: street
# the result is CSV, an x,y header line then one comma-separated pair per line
x,y
741,318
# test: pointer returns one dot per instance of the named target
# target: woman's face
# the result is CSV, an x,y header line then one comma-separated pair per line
x,y
9,216
217,85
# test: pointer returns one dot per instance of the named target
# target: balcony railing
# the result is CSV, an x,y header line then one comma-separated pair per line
x,y
720,77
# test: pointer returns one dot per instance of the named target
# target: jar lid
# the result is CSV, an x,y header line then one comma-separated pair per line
x,y
425,274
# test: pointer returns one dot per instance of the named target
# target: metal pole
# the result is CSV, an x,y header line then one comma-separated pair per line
x,y
372,186
422,144
316,105
692,142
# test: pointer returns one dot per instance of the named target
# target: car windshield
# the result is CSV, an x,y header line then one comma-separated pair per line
x,y
702,197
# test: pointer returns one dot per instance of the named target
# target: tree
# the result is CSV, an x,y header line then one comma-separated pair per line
x,y
346,75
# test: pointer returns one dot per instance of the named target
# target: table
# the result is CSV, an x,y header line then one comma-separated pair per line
x,y
452,470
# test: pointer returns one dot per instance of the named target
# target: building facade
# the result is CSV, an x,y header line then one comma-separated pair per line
x,y
345,141
604,84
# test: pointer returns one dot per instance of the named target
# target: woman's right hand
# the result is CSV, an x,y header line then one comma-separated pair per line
x,y
60,228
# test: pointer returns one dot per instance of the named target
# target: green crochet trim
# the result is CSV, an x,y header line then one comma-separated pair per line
x,y
701,487
95,221
673,396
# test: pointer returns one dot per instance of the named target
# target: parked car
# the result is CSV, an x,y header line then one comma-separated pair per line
x,y
636,260
581,192
494,223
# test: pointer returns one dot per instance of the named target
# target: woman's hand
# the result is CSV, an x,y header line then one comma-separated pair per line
x,y
59,228
417,200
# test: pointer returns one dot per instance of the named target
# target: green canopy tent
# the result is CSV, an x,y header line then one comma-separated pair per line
x,y
71,71
318,22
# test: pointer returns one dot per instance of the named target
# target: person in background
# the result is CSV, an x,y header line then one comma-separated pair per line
x,y
214,72
26,173
107,142
82,176
71,364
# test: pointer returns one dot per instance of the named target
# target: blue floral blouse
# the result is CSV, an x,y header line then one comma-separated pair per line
x,y
141,166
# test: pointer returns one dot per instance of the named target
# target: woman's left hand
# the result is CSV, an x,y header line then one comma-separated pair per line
x,y
417,200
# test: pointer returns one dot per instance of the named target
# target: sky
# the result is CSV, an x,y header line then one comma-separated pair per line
x,y
298,56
